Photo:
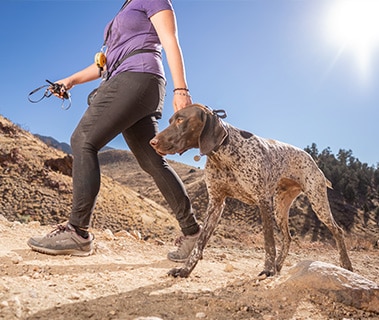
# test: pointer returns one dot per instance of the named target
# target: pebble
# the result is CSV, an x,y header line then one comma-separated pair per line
x,y
15,258
75,296
228,268
136,235
108,235
122,234
201,315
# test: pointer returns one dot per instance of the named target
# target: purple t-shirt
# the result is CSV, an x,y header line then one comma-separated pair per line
x,y
132,30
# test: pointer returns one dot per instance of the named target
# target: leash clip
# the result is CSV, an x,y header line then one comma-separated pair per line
x,y
221,113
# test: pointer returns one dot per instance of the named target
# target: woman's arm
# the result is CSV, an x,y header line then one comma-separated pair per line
x,y
87,74
164,23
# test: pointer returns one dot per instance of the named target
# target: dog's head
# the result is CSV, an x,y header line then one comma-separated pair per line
x,y
195,126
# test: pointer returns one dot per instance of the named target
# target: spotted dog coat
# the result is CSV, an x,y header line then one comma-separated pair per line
x,y
255,170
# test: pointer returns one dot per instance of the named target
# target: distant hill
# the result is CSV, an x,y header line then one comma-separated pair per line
x,y
50,141
63,146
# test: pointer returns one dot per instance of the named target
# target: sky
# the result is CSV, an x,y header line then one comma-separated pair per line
x,y
298,71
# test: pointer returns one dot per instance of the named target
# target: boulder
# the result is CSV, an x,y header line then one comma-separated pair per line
x,y
337,283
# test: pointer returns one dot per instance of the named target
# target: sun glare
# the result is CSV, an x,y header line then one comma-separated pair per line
x,y
353,25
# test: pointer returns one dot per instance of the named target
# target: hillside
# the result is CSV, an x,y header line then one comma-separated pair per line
x,y
36,186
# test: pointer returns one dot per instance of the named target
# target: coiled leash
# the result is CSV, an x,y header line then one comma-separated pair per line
x,y
53,89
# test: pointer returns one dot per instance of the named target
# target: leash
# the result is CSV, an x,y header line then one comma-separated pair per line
x,y
220,113
52,89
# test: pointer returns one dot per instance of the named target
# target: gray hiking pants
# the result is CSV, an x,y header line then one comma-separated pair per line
x,y
129,103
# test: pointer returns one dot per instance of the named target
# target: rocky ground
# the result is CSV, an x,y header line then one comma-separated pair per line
x,y
127,278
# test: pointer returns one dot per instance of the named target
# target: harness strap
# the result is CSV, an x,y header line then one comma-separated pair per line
x,y
118,63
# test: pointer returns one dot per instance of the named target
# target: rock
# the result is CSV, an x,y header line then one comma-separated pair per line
x,y
122,234
62,165
228,268
337,283
16,259
136,235
108,235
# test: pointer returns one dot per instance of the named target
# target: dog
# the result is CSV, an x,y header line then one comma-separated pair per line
x,y
257,171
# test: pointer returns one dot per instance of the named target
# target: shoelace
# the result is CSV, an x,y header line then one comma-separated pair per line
x,y
178,241
59,228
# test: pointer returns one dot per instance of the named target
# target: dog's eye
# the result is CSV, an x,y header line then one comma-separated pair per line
x,y
178,121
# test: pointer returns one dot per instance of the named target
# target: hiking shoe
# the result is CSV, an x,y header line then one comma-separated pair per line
x,y
185,245
63,240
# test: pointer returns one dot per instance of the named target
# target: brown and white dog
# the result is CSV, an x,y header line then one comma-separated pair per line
x,y
257,171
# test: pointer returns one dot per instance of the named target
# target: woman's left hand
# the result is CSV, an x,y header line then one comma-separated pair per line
x,y
181,101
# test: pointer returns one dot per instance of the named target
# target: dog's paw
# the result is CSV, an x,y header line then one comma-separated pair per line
x,y
179,272
265,274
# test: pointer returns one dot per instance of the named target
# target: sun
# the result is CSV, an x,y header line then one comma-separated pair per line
x,y
353,25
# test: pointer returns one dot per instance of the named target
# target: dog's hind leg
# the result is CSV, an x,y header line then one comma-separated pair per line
x,y
318,198
287,191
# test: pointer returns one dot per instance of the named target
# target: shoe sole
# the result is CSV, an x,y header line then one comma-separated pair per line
x,y
177,260
72,252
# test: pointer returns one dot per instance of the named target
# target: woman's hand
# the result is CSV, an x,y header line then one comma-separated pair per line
x,y
65,85
88,74
181,101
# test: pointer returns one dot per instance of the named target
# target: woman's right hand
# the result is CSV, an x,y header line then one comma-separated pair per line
x,y
88,74
66,84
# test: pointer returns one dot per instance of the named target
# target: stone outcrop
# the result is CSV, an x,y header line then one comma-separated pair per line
x,y
334,282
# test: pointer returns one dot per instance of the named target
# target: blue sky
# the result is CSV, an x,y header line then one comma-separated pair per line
x,y
279,68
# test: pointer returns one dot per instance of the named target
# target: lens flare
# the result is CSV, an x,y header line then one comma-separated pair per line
x,y
353,25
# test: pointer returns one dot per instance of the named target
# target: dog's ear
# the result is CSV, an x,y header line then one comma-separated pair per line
x,y
213,133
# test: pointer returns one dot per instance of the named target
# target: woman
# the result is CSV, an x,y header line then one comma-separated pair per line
x,y
129,101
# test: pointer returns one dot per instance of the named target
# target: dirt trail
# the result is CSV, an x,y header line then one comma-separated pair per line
x,y
126,279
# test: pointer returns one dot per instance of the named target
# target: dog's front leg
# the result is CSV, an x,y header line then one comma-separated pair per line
x,y
214,211
266,211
